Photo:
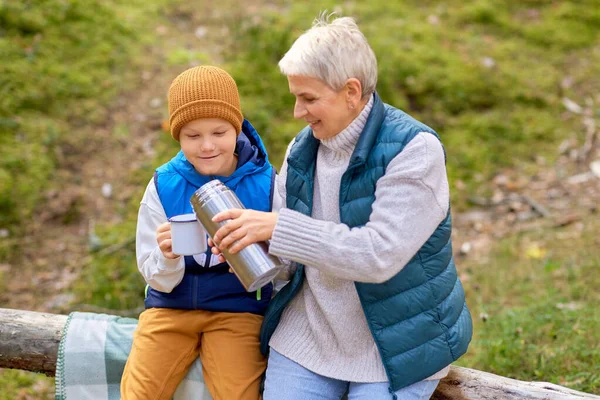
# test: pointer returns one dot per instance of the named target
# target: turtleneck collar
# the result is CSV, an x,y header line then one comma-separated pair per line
x,y
344,142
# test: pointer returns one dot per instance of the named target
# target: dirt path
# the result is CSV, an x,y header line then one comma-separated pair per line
x,y
557,201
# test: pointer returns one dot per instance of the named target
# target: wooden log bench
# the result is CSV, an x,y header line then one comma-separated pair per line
x,y
29,341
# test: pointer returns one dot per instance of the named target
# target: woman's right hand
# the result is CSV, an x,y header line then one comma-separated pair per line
x,y
163,238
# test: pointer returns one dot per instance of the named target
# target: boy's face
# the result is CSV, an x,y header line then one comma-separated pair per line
x,y
209,144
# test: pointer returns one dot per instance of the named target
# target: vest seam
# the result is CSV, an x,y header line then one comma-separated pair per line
x,y
422,344
372,330
424,311
406,291
437,306
444,333
164,173
426,259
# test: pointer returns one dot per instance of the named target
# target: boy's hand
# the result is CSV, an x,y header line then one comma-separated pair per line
x,y
217,252
163,238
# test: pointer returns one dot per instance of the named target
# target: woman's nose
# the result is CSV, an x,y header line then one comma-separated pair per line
x,y
299,110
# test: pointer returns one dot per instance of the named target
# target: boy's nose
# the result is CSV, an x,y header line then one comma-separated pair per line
x,y
206,145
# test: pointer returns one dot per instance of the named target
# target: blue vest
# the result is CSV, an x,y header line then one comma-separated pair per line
x,y
419,319
214,288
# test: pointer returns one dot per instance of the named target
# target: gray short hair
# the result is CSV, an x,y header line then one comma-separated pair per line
x,y
333,52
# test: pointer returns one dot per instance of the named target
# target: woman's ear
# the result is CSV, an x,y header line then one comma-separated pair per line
x,y
353,92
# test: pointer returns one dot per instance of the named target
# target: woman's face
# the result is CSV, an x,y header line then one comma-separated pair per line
x,y
209,145
326,111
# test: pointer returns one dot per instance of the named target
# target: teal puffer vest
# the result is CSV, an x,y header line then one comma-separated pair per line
x,y
419,319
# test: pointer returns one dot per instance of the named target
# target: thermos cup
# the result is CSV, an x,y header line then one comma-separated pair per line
x,y
187,235
254,266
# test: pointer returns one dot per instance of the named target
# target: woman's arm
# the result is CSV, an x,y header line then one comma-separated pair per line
x,y
411,200
161,273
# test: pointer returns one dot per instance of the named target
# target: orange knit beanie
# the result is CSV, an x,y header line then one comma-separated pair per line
x,y
203,92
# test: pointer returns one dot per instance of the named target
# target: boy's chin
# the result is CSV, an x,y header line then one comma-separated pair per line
x,y
210,171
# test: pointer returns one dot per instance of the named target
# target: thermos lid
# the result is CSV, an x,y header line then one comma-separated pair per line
x,y
208,190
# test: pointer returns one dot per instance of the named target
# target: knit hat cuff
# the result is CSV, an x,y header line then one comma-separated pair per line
x,y
208,108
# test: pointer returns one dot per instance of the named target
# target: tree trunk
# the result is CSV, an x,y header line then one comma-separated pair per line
x,y
29,341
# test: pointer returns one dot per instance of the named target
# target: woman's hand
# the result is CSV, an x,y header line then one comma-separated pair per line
x,y
243,228
163,238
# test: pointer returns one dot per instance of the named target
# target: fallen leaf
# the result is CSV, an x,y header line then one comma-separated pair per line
x,y
535,252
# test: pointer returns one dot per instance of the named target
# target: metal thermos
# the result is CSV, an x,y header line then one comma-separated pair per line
x,y
254,266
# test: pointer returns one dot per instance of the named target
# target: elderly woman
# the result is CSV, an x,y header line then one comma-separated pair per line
x,y
374,306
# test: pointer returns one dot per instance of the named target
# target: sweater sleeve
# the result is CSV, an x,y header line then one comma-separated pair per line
x,y
159,272
411,199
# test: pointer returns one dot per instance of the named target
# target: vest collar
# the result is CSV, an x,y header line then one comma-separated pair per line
x,y
369,134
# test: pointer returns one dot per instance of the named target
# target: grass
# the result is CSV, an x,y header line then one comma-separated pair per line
x,y
489,78
20,385
62,62
534,305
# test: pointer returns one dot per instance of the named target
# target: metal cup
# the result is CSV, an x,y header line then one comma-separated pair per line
x,y
253,266
187,235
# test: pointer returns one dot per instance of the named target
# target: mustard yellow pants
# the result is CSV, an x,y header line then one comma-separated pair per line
x,y
166,343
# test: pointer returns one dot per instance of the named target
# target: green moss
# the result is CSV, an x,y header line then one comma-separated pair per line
x,y
186,56
25,385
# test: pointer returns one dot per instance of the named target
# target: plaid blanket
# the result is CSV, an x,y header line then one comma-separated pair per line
x,y
92,355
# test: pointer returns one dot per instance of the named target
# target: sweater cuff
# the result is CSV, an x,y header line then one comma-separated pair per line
x,y
296,237
167,264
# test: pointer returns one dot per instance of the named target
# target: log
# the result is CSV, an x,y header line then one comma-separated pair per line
x,y
470,384
29,341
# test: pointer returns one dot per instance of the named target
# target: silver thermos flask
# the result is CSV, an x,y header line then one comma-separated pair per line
x,y
254,266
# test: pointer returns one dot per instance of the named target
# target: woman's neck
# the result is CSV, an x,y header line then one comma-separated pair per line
x,y
345,141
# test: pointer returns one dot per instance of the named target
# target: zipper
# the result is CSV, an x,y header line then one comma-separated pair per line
x,y
195,291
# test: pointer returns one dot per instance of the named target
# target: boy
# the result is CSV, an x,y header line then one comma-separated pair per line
x,y
194,306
